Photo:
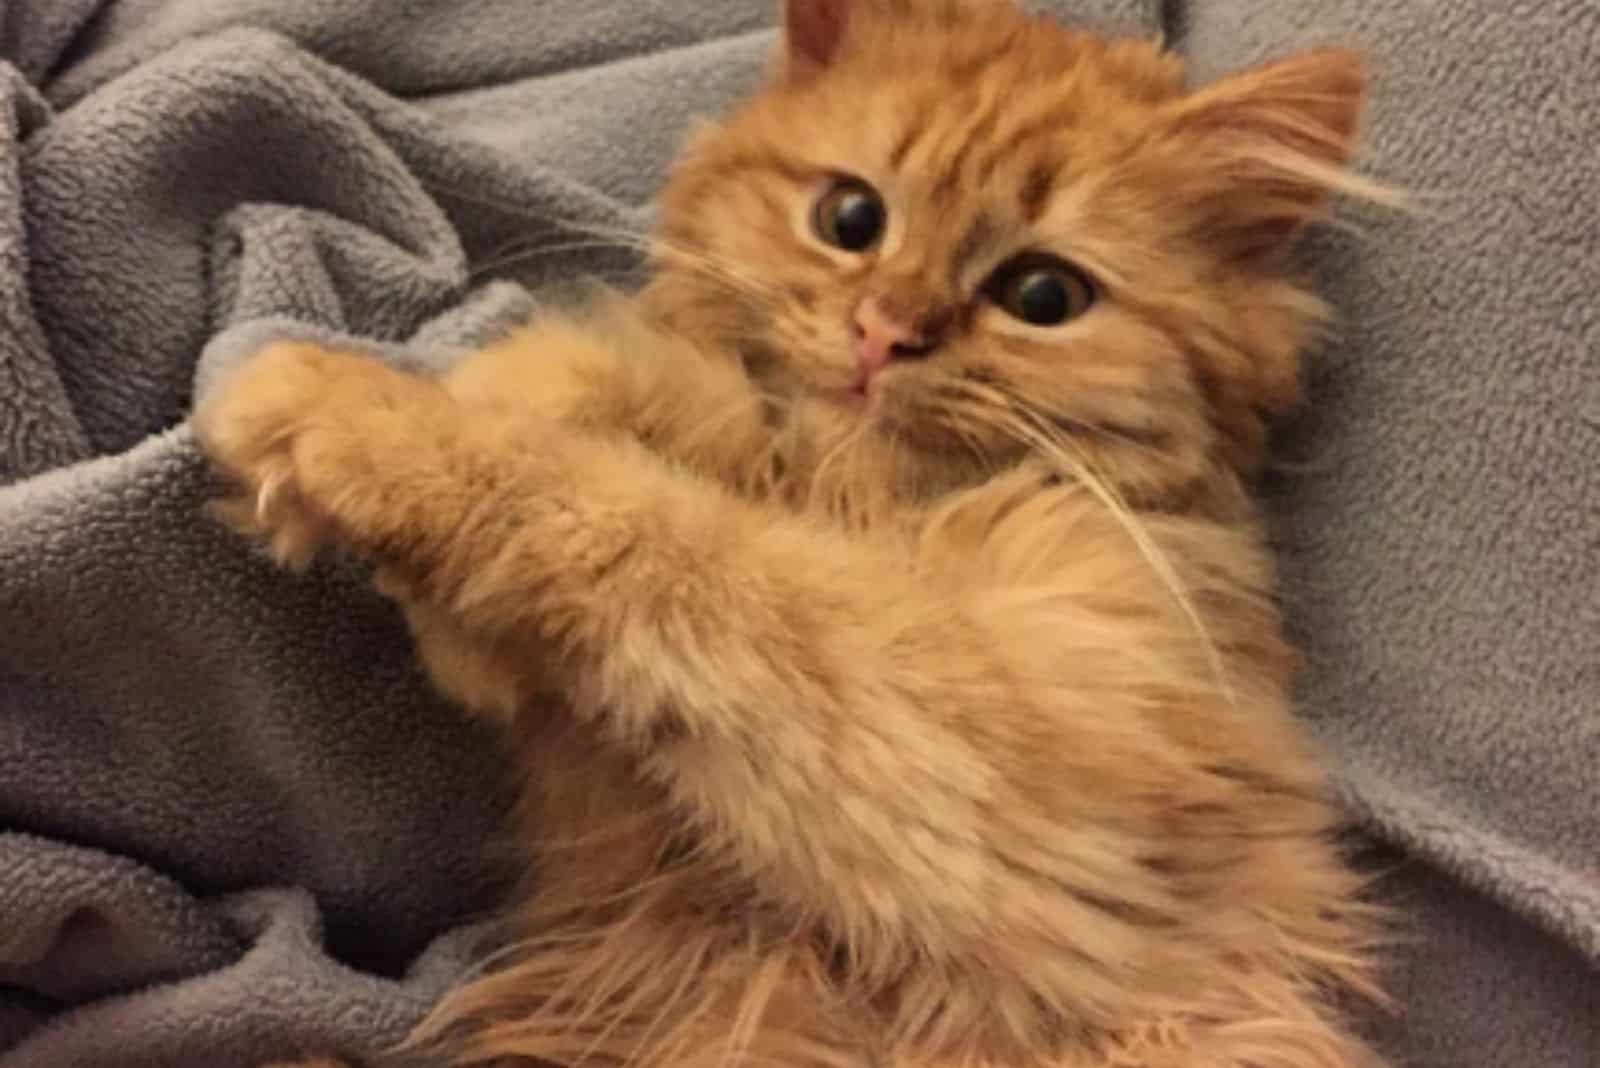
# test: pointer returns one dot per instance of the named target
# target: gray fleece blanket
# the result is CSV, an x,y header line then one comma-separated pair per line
x,y
234,825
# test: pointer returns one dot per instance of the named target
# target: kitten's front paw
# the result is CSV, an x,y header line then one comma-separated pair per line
x,y
289,429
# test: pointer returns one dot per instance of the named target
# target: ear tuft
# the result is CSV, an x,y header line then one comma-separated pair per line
x,y
1280,136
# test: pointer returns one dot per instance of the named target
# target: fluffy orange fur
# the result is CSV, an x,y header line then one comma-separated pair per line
x,y
946,724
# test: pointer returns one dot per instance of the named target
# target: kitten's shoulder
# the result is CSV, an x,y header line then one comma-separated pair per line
x,y
1030,525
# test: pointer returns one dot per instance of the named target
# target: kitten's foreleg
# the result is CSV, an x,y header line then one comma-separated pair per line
x,y
612,374
863,743
819,708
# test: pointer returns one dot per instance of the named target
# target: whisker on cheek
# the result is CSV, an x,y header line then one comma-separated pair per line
x,y
1152,438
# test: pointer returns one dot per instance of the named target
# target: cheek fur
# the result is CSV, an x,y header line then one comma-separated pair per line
x,y
1120,376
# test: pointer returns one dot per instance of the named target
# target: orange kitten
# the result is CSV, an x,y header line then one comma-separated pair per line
x,y
874,602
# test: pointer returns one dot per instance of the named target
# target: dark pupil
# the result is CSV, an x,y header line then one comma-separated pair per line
x,y
1042,298
857,218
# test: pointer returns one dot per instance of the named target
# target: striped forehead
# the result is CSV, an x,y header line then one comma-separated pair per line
x,y
992,141
982,161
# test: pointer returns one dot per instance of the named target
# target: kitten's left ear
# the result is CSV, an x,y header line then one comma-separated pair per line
x,y
1276,140
813,31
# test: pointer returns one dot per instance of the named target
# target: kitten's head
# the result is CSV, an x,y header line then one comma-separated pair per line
x,y
984,234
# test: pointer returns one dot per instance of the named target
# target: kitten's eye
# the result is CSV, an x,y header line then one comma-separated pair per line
x,y
850,215
1041,290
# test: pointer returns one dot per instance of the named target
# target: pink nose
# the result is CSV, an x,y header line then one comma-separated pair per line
x,y
880,338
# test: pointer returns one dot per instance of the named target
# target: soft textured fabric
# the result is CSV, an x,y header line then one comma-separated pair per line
x,y
233,823
1440,503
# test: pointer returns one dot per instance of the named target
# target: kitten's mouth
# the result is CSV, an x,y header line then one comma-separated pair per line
x,y
872,392
864,393
866,386
861,384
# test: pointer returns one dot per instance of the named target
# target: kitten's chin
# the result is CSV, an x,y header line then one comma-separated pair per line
x,y
870,408
850,399
889,403
887,407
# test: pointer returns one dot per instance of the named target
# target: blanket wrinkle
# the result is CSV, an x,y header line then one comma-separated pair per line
x,y
38,428
236,826
37,40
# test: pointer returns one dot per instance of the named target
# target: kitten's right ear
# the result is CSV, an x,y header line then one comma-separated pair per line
x,y
1275,141
813,31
